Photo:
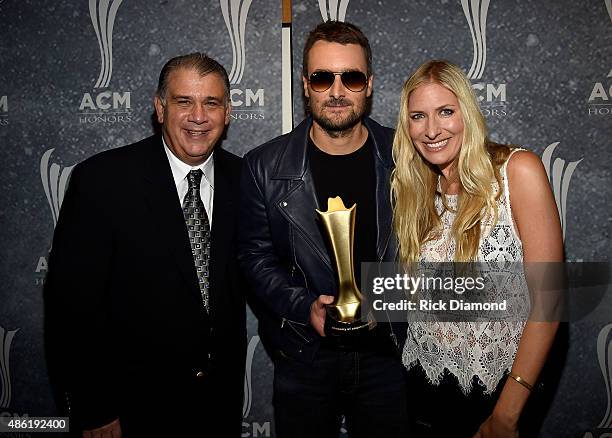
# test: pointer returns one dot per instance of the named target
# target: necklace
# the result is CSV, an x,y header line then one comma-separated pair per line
x,y
448,209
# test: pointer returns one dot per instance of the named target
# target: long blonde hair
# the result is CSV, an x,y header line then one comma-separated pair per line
x,y
414,181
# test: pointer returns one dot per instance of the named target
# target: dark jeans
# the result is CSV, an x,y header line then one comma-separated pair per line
x,y
368,388
444,410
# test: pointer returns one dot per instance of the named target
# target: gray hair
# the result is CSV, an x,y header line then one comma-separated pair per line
x,y
197,61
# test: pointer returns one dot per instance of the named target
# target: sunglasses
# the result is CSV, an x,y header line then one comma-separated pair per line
x,y
323,80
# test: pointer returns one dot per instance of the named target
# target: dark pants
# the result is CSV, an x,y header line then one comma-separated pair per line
x,y
368,388
444,410
184,409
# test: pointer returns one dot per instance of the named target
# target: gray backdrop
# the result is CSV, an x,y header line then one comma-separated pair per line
x,y
78,77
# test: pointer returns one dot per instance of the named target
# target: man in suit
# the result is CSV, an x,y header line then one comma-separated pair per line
x,y
145,316
337,151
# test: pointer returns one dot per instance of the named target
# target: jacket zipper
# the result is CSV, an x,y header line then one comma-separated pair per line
x,y
292,272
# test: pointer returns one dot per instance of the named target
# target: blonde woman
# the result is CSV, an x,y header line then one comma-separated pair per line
x,y
460,197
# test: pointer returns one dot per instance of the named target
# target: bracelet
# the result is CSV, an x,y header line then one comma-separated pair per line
x,y
520,380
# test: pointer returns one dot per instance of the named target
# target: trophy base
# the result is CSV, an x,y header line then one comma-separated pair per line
x,y
347,334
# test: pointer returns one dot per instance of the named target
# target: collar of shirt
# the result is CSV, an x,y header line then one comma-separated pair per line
x,y
179,174
181,169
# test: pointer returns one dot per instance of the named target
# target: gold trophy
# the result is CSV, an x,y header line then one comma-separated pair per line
x,y
345,317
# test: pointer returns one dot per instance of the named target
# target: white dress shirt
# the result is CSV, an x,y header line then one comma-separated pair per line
x,y
180,170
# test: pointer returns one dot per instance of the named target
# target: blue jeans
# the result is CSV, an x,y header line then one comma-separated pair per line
x,y
368,388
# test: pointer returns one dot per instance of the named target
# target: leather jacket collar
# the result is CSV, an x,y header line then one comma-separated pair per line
x,y
293,165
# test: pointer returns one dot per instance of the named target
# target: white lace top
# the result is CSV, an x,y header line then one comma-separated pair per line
x,y
467,349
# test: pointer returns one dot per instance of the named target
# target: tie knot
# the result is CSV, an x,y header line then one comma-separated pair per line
x,y
194,177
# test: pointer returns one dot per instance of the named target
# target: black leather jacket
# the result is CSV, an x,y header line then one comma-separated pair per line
x,y
281,250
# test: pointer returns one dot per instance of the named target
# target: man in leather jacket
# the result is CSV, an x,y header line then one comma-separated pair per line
x,y
283,253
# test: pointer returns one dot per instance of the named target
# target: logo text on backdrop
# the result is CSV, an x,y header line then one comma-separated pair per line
x,y
102,105
247,103
600,99
492,97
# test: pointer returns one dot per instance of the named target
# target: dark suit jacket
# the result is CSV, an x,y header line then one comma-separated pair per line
x,y
126,336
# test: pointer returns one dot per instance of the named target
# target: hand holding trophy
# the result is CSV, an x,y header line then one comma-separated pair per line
x,y
345,319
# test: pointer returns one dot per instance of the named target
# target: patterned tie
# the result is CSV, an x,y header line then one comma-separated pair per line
x,y
198,228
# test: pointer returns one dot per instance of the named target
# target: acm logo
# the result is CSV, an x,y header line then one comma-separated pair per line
x,y
6,339
333,9
4,121
6,390
253,429
560,174
247,103
492,97
106,106
54,178
601,93
604,357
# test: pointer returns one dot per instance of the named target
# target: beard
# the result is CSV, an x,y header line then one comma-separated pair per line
x,y
337,125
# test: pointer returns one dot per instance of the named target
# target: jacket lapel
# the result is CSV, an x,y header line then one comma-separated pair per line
x,y
166,212
224,212
298,205
383,162
293,165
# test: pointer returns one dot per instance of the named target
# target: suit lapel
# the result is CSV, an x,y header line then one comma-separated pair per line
x,y
223,223
166,212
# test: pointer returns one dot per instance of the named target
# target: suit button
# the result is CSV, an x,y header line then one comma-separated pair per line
x,y
200,374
